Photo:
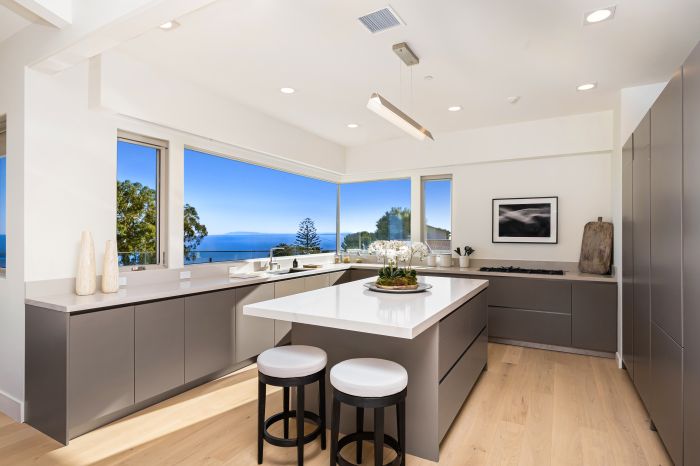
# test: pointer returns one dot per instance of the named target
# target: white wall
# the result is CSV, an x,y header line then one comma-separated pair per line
x,y
569,157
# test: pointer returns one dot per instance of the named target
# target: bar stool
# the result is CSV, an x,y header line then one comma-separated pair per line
x,y
372,384
292,366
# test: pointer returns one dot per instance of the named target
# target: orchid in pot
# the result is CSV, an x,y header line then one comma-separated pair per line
x,y
392,275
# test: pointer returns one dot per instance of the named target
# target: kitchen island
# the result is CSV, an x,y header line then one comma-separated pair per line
x,y
439,336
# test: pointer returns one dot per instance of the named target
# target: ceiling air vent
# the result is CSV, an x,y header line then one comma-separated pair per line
x,y
381,20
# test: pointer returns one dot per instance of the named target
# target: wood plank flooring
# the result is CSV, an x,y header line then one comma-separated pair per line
x,y
532,407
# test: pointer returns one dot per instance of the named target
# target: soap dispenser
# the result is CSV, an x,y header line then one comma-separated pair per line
x,y
295,264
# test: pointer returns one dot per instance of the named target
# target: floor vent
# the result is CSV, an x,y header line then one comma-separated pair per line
x,y
381,20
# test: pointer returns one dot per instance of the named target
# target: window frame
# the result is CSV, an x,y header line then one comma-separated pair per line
x,y
423,219
162,159
3,155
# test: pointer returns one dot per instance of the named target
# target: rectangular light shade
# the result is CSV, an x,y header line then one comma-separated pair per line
x,y
390,113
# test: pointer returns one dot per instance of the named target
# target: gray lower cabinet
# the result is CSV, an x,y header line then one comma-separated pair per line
x,y
316,282
159,347
594,314
458,331
642,263
253,334
101,368
282,289
550,328
210,321
530,293
691,253
338,278
359,274
666,405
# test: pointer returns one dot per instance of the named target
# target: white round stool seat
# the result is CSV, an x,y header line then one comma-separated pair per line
x,y
369,377
286,362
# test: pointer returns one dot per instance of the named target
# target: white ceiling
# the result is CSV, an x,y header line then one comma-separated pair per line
x,y
479,52
10,23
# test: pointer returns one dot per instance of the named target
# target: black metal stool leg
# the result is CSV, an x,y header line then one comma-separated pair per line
x,y
261,419
359,427
300,425
378,436
401,427
285,409
322,408
335,431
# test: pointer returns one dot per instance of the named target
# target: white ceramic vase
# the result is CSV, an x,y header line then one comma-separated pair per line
x,y
86,278
463,262
110,268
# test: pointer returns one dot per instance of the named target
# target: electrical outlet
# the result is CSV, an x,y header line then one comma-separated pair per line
x,y
185,275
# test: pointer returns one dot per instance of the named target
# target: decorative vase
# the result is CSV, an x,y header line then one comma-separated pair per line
x,y
110,268
444,260
86,278
463,262
431,260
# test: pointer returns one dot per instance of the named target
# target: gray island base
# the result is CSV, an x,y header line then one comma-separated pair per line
x,y
444,359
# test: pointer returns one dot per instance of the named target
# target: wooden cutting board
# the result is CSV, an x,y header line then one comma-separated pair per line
x,y
596,248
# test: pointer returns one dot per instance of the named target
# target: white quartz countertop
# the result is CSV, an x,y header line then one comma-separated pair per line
x,y
351,306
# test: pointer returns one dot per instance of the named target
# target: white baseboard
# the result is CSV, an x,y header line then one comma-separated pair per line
x,y
11,407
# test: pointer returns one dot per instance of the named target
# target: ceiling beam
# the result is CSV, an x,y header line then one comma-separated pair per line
x,y
58,13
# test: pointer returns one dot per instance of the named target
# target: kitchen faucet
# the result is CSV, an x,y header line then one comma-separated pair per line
x,y
271,263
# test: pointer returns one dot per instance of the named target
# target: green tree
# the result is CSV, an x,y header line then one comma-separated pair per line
x,y
136,223
394,224
287,250
359,240
195,232
307,238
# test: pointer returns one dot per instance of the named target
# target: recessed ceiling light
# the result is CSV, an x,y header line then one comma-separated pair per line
x,y
455,108
287,90
586,86
601,14
169,25
514,99
428,77
353,125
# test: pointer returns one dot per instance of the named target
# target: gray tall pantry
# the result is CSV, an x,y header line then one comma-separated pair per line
x,y
661,262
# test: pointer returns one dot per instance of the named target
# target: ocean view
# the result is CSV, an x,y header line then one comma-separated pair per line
x,y
3,252
239,246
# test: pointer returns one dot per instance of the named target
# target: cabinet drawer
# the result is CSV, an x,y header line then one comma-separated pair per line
x,y
530,293
534,326
316,282
359,274
455,388
338,278
253,334
459,329
282,289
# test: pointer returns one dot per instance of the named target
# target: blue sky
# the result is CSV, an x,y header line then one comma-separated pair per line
x,y
3,195
437,203
232,196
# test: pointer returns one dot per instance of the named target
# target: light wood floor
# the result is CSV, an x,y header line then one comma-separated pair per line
x,y
531,407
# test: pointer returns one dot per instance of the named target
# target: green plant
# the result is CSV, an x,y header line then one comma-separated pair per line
x,y
395,276
468,251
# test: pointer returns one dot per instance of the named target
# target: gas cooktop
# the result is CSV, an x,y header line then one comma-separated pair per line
x,y
521,270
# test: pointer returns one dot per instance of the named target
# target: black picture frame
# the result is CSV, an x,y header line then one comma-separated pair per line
x,y
553,237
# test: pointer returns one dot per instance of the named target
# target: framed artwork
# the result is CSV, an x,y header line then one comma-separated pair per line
x,y
525,220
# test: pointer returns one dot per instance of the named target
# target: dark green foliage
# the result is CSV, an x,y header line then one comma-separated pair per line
x,y
307,239
468,251
360,240
195,232
394,276
394,224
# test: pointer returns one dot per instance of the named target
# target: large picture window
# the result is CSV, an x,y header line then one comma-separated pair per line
x,y
236,210
374,210
3,195
139,232
437,213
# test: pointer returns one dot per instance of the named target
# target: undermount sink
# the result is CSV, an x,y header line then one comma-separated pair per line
x,y
287,271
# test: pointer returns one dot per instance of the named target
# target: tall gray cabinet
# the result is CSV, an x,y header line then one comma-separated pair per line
x,y
691,256
661,262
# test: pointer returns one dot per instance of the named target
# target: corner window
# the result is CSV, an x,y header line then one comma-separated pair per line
x,y
374,210
139,199
236,210
437,213
3,194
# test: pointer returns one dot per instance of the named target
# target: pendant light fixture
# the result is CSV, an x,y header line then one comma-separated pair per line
x,y
385,109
